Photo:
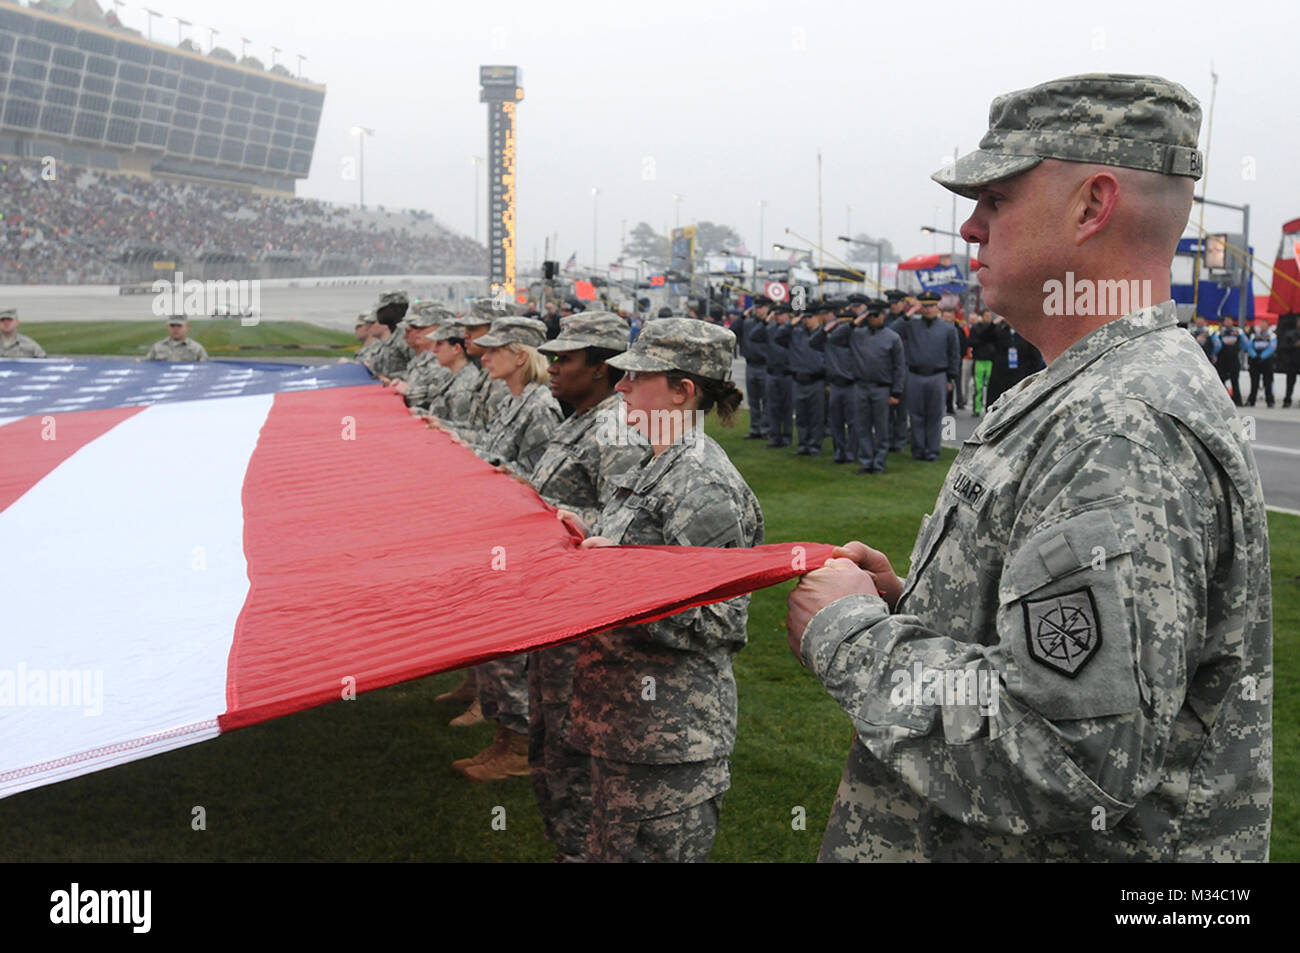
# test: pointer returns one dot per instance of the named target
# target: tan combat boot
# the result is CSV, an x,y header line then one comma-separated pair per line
x,y
470,716
462,694
510,761
498,743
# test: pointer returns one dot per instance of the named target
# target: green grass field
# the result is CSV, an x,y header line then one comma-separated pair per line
x,y
370,779
224,339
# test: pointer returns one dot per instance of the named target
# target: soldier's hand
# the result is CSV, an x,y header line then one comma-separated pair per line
x,y
836,579
893,402
572,518
877,565
400,386
597,542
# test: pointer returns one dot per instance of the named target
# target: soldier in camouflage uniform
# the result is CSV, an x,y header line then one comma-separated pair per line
x,y
424,373
516,439
14,345
453,397
176,347
655,704
489,394
525,421
1097,559
573,474
369,338
393,353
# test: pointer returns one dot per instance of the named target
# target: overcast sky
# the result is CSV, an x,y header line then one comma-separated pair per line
x,y
727,103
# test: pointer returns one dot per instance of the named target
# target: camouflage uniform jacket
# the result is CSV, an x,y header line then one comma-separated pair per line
x,y
366,353
451,399
689,495
392,355
521,430
422,376
20,346
1099,556
486,401
584,452
187,351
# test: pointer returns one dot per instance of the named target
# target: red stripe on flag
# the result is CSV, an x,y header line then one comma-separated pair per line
x,y
379,551
32,447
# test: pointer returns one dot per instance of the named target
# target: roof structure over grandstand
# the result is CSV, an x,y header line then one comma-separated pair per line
x,y
77,85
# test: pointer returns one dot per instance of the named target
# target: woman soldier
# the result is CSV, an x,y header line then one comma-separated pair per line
x,y
655,704
451,399
574,473
516,440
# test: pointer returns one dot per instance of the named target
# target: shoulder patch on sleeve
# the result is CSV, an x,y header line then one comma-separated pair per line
x,y
1063,631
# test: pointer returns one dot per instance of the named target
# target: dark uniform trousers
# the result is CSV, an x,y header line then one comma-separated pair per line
x,y
843,420
810,410
926,394
755,390
898,420
873,411
780,397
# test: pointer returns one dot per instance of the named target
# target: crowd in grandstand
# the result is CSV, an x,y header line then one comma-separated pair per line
x,y
80,226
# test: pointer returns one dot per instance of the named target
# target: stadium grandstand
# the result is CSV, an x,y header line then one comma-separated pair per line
x,y
122,156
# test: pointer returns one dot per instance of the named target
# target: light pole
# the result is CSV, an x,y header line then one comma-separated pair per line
x,y
274,50
212,38
474,164
361,132
677,210
243,47
301,59
149,21
594,193
762,204
180,28
878,246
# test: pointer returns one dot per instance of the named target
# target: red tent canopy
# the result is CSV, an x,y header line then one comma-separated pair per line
x,y
930,261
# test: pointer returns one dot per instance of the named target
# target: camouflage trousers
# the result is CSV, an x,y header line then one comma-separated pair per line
x,y
655,813
503,691
561,774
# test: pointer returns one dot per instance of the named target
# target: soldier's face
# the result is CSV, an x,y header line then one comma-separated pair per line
x,y
571,379
177,331
8,326
471,334
1018,224
645,392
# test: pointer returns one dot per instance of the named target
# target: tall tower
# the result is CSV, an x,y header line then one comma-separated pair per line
x,y
500,87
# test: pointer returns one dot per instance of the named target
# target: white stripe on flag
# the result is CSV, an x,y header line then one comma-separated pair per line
x,y
124,577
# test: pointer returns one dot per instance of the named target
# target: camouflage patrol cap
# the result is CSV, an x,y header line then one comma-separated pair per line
x,y
429,316
491,308
392,297
1136,122
8,313
178,319
680,344
602,329
365,317
450,330
514,330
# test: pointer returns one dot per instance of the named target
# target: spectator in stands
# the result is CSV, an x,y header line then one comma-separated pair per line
x,y
12,344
